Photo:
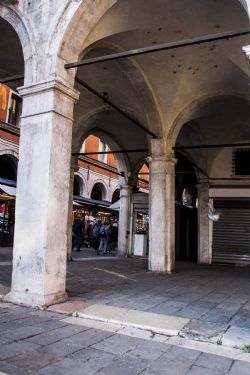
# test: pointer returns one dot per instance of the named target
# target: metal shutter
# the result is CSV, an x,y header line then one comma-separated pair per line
x,y
231,234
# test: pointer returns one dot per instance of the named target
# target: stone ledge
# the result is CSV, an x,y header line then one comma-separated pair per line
x,y
157,323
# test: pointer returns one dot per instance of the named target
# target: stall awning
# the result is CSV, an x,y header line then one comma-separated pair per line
x,y
140,203
7,189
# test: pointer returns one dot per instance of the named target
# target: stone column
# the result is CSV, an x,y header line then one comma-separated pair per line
x,y
246,50
204,256
124,219
73,169
161,209
42,205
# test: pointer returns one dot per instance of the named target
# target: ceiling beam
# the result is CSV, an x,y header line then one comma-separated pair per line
x,y
221,145
9,79
110,152
159,48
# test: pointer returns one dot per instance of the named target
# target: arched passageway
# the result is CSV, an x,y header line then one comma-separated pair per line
x,y
138,87
186,238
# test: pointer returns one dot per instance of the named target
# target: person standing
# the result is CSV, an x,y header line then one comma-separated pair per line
x,y
77,232
96,235
104,237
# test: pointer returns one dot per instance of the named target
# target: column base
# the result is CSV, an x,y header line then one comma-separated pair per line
x,y
34,300
160,269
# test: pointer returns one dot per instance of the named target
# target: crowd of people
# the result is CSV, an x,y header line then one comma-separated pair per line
x,y
101,236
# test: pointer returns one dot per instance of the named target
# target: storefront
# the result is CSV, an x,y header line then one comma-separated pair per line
x,y
7,215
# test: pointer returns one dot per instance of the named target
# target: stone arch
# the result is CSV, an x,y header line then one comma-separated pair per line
x,y
67,47
22,29
190,110
81,182
9,166
121,160
70,48
115,196
246,5
102,186
12,153
140,83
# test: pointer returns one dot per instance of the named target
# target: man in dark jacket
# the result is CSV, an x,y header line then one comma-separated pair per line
x,y
77,231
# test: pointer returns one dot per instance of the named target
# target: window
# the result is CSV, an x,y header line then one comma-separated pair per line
x,y
14,109
241,162
102,148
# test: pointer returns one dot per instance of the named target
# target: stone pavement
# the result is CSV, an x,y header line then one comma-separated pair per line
x,y
215,301
42,342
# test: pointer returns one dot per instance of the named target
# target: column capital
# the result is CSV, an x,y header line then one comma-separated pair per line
x,y
50,85
163,164
202,184
126,187
170,163
46,97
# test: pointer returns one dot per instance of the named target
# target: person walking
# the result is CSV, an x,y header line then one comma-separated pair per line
x,y
104,237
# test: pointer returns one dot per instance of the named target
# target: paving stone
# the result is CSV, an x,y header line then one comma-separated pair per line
x,y
236,337
170,366
61,348
92,354
240,368
242,319
229,306
10,325
88,338
69,307
57,334
216,297
214,362
217,316
148,350
15,348
176,352
191,313
6,368
33,360
22,332
51,325
149,372
69,366
118,344
196,370
92,324
202,304
202,330
124,367
142,334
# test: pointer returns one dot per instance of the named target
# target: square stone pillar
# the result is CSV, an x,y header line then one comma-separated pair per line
x,y
161,209
42,202
204,253
124,219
